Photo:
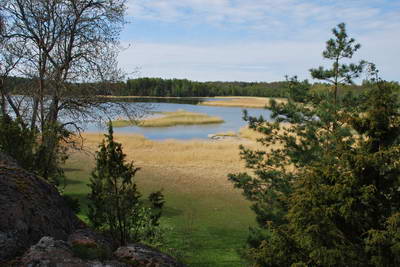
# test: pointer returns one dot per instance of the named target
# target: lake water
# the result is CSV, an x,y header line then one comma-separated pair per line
x,y
231,115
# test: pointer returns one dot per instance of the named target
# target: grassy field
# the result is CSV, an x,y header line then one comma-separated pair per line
x,y
207,218
247,102
180,117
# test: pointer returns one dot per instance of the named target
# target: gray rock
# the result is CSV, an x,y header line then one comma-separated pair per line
x,y
141,255
49,252
30,208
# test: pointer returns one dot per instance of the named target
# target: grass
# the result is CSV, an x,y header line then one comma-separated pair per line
x,y
180,117
208,219
247,102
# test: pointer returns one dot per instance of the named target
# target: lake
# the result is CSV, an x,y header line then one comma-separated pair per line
x,y
231,115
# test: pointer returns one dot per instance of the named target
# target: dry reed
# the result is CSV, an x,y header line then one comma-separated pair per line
x,y
247,102
180,117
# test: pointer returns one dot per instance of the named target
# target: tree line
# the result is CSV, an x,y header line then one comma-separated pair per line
x,y
158,87
185,88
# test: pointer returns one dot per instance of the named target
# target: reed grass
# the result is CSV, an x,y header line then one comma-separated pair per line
x,y
246,132
168,119
247,102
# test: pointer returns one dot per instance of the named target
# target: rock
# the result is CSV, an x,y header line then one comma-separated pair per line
x,y
90,245
141,255
49,252
30,208
89,238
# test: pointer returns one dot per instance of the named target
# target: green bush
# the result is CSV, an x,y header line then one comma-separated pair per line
x,y
115,205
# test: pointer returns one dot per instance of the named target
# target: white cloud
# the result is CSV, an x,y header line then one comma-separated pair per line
x,y
296,31
249,61
264,14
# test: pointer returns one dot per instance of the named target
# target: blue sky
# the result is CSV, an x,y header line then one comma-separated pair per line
x,y
253,40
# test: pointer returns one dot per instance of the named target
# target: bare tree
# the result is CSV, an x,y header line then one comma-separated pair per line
x,y
10,56
70,46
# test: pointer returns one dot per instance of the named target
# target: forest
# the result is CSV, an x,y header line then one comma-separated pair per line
x,y
158,87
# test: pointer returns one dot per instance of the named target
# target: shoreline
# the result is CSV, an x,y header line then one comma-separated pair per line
x,y
243,136
228,101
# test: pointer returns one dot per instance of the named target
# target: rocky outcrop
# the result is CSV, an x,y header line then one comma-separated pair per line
x,y
30,208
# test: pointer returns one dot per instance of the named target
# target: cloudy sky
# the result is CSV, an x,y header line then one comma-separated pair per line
x,y
253,40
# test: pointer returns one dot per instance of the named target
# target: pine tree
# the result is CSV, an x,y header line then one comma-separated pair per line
x,y
337,49
325,187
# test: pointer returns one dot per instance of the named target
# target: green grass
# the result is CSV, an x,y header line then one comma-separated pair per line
x,y
180,117
206,226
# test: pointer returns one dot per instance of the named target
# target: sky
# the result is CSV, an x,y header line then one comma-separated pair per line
x,y
253,40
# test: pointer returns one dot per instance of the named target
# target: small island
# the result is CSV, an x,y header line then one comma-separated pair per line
x,y
168,119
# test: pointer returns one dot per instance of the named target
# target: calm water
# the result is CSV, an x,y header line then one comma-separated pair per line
x,y
231,115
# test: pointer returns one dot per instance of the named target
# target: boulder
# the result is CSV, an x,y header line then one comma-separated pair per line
x,y
30,208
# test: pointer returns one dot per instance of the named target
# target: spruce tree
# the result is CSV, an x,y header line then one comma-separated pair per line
x,y
325,188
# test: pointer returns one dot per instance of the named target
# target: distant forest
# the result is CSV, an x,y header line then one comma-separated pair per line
x,y
186,88
158,87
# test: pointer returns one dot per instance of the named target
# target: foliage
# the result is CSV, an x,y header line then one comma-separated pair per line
x,y
336,50
29,150
158,87
185,88
328,195
52,153
297,90
72,203
115,206
157,202
17,141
